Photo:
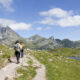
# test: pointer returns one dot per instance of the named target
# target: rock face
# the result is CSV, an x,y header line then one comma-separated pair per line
x,y
39,42
7,35
66,43
35,38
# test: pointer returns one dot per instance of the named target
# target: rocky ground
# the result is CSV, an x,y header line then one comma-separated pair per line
x,y
9,71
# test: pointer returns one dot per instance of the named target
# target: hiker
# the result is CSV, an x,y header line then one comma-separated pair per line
x,y
22,50
17,48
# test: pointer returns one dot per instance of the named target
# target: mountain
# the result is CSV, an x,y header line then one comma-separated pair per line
x,y
7,35
35,38
68,43
77,44
39,42
65,43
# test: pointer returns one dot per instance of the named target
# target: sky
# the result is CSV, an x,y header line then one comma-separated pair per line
x,y
58,18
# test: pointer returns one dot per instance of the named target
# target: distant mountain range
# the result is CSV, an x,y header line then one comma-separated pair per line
x,y
42,43
68,43
8,37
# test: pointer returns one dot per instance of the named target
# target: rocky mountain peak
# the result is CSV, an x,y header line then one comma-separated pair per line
x,y
35,37
7,35
52,38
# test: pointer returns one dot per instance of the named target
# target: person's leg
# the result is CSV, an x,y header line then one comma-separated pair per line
x,y
22,54
18,57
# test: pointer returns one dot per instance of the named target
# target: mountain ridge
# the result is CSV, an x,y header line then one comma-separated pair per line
x,y
9,36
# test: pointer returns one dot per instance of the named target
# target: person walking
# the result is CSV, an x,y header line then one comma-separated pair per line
x,y
17,48
22,50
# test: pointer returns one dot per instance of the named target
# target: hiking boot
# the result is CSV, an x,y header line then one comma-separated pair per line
x,y
18,62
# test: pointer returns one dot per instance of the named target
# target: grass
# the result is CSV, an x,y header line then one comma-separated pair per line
x,y
6,54
57,66
27,72
65,52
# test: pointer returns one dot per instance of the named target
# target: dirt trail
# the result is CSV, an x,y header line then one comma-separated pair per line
x,y
9,71
41,72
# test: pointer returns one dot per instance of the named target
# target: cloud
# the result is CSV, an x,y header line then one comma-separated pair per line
x,y
60,17
39,28
6,21
48,21
57,12
6,4
15,25
20,26
69,21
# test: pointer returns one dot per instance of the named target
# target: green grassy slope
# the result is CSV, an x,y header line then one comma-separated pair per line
x,y
58,67
66,52
6,54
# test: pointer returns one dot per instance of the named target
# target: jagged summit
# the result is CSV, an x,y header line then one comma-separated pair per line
x,y
7,35
52,38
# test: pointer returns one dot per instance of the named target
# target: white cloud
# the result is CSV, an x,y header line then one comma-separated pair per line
x,y
6,21
39,28
48,21
59,17
20,26
14,25
69,21
56,12
6,4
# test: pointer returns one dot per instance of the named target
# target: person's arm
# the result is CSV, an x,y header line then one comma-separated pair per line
x,y
14,47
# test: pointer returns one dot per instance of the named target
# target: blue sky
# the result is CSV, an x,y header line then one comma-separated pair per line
x,y
58,18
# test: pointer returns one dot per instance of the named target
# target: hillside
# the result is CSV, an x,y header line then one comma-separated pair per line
x,y
40,64
66,43
39,42
58,65
8,37
5,54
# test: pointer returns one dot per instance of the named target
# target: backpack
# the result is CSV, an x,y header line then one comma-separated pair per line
x,y
17,47
23,45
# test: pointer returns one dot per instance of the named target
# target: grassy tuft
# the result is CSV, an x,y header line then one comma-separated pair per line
x,y
27,72
5,54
